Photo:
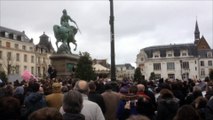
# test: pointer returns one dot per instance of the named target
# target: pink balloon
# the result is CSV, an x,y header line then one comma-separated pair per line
x,y
26,75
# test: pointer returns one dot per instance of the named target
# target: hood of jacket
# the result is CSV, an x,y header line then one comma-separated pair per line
x,y
34,97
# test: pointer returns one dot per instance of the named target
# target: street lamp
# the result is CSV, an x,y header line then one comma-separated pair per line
x,y
111,22
181,69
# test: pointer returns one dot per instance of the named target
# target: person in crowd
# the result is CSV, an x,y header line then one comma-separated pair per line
x,y
209,109
128,104
10,108
95,97
111,100
167,105
55,99
200,104
192,96
145,104
46,113
187,112
90,110
34,100
72,106
19,94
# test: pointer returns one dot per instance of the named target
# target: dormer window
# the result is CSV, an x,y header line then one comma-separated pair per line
x,y
169,53
184,53
156,54
6,34
209,54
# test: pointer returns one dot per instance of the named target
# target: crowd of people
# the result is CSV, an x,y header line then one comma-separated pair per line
x,y
74,99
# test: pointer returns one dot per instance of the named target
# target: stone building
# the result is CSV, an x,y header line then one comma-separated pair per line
x,y
177,61
19,53
124,71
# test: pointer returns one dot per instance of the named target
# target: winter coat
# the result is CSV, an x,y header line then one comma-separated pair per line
x,y
70,116
167,108
97,98
209,110
33,102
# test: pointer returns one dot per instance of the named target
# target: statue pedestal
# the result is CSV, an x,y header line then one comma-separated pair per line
x,y
64,63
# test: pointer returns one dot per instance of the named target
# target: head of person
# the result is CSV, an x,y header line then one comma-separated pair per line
x,y
141,88
56,87
166,94
92,86
81,86
46,113
65,12
10,108
34,86
187,112
72,102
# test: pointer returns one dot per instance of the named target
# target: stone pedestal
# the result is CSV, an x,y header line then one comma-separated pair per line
x,y
64,63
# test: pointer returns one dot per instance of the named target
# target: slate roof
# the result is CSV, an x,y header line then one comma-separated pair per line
x,y
17,33
203,53
192,49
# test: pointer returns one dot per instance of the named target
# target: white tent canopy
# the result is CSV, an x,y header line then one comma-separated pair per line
x,y
100,68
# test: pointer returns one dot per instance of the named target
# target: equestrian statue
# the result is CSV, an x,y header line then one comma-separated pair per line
x,y
65,34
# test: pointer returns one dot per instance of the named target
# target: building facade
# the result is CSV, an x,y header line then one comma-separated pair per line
x,y
124,71
177,61
19,53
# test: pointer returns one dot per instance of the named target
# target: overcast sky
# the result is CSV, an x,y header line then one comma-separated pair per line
x,y
138,23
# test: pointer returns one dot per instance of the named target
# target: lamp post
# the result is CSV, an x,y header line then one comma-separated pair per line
x,y
111,22
181,69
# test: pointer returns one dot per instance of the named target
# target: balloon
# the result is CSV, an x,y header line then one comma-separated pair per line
x,y
26,75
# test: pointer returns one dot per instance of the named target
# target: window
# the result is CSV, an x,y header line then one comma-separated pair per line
x,y
171,76
8,44
170,66
6,34
156,56
195,68
17,57
184,54
202,72
157,66
32,70
16,46
185,65
9,55
31,48
209,63
201,63
32,59
209,54
0,54
0,43
17,69
23,47
169,54
141,59
25,58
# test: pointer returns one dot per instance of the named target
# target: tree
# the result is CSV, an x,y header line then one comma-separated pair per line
x,y
84,68
138,75
211,74
3,76
152,76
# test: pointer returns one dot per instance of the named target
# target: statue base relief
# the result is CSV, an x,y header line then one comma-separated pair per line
x,y
64,64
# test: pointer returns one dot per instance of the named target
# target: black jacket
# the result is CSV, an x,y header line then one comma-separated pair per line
x,y
70,116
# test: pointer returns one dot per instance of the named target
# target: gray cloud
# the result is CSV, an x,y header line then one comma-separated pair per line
x,y
138,24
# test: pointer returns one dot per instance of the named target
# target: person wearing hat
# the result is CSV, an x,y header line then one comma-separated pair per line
x,y
55,99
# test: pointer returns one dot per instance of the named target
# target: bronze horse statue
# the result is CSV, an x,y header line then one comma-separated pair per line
x,y
65,35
